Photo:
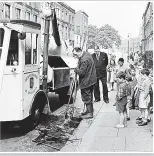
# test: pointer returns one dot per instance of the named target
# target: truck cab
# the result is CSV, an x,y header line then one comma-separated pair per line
x,y
20,93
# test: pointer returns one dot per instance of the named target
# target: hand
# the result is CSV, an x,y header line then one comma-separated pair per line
x,y
75,70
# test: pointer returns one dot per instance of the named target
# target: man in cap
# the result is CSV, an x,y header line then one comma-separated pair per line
x,y
87,78
101,62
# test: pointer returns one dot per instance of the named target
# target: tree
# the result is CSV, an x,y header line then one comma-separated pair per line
x,y
106,36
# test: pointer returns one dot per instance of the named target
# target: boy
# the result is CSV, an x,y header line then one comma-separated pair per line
x,y
121,100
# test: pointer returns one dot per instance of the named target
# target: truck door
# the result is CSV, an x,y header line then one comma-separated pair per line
x,y
11,81
31,71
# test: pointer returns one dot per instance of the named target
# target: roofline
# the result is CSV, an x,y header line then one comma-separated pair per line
x,y
66,6
83,12
146,9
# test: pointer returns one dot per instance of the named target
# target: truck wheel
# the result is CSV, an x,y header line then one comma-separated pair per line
x,y
37,109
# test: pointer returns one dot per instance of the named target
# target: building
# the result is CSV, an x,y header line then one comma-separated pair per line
x,y
65,20
132,43
81,28
20,10
147,35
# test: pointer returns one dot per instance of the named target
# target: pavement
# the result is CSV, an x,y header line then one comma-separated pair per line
x,y
99,135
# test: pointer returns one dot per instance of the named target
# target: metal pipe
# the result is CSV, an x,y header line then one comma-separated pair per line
x,y
45,53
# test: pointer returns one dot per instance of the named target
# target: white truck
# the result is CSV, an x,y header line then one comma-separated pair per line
x,y
21,92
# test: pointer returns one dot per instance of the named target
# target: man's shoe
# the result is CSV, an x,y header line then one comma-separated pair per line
x,y
106,101
84,113
97,100
128,118
87,116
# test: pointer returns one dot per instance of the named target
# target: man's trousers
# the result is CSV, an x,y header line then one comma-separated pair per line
x,y
87,98
97,89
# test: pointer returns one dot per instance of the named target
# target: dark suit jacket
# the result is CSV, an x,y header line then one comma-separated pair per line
x,y
100,64
86,71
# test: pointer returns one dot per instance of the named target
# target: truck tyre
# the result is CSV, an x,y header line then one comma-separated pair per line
x,y
37,108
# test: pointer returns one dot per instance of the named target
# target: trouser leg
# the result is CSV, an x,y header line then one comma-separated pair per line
x,y
87,98
97,90
105,89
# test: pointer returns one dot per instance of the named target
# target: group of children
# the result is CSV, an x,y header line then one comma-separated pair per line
x,y
132,92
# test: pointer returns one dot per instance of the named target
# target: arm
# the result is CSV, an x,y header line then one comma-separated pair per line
x,y
119,94
147,89
106,57
82,70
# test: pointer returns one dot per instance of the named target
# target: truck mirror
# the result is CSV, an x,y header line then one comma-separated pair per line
x,y
22,35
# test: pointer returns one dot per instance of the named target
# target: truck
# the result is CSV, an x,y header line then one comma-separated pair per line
x,y
21,75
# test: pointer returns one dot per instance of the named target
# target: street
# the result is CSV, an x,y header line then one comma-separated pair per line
x,y
95,135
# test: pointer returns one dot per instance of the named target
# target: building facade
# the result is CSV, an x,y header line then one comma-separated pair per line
x,y
81,28
20,10
147,35
132,43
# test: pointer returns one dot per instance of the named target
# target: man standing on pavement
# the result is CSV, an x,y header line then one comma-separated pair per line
x,y
101,62
87,78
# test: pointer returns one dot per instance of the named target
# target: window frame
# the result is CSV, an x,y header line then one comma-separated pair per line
x,y
19,11
6,4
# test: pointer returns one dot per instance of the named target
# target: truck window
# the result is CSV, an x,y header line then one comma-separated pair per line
x,y
28,48
35,36
1,40
12,58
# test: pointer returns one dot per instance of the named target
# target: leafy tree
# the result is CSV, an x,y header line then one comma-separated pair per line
x,y
106,36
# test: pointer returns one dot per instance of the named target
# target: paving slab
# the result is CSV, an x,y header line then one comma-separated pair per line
x,y
138,144
102,144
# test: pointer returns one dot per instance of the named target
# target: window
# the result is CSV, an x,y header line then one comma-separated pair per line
x,y
1,36
12,58
69,18
7,11
62,15
1,40
72,20
28,48
18,13
35,18
35,36
28,16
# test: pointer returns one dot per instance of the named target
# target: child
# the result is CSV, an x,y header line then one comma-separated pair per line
x,y
111,74
120,68
144,97
121,100
133,85
129,98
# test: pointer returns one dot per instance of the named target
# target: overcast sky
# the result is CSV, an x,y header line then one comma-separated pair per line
x,y
124,16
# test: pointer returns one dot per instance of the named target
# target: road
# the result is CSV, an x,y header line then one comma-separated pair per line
x,y
13,140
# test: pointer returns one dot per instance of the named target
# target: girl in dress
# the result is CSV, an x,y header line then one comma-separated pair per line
x,y
111,74
144,97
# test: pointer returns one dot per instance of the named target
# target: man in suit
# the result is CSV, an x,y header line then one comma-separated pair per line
x,y
87,78
101,62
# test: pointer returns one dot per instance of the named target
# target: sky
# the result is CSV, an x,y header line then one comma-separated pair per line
x,y
124,16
